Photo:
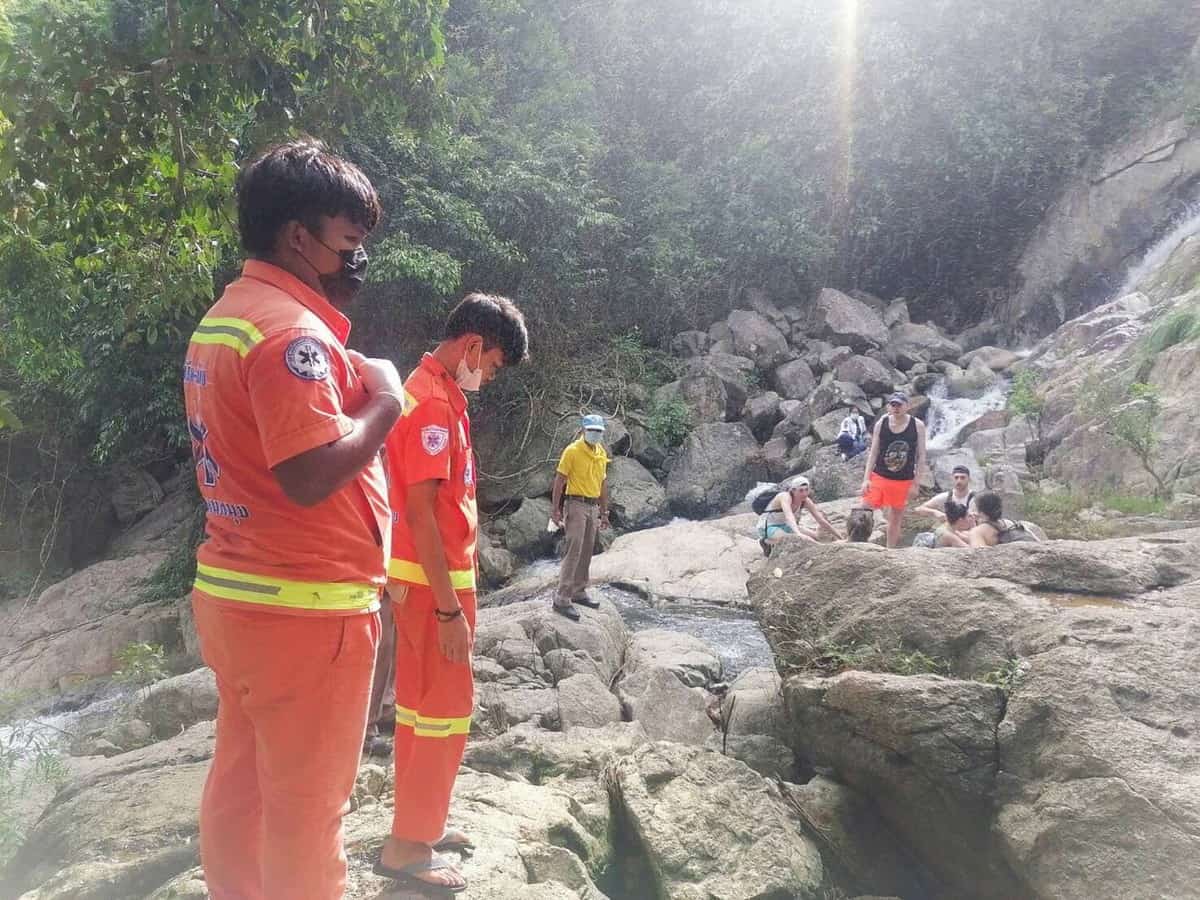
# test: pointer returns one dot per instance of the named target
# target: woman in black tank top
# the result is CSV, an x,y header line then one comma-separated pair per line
x,y
897,460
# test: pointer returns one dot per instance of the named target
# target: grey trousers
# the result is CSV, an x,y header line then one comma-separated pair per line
x,y
383,683
581,521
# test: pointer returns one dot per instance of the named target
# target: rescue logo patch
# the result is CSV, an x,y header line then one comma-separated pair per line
x,y
469,473
307,358
435,439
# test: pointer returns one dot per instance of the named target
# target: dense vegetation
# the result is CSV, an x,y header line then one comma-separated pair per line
x,y
618,166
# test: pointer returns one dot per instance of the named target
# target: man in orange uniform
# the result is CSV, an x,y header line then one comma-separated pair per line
x,y
431,581
286,431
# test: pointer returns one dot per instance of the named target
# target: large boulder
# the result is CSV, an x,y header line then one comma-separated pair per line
x,y
635,498
757,337
689,343
496,565
174,704
705,561
795,421
869,374
841,319
834,394
794,380
76,627
688,658
995,358
1075,778
975,381
135,492
584,701
920,343
734,373
761,413
703,395
715,467
525,535
665,707
709,826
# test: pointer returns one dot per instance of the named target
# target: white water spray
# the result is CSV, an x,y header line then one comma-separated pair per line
x,y
947,417
1187,226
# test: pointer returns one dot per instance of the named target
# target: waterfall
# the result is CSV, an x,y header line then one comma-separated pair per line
x,y
947,417
1187,225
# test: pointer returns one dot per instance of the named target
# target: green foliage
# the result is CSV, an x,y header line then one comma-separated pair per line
x,y
831,657
141,663
668,421
30,762
1058,513
1026,400
1005,676
174,576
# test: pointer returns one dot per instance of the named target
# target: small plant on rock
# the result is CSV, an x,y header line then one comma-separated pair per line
x,y
1026,400
669,421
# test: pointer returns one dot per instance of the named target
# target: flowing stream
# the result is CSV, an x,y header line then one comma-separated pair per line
x,y
1187,225
948,416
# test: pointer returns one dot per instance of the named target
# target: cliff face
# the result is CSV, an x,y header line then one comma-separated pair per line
x,y
1101,225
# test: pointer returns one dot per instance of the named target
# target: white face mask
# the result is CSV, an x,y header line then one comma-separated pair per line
x,y
593,437
465,377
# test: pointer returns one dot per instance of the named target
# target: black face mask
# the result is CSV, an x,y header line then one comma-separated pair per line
x,y
341,286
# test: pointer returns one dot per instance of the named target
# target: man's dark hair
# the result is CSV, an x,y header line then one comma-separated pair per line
x,y
955,511
300,181
960,470
859,525
495,319
988,503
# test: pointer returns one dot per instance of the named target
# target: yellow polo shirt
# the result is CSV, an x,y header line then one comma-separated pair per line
x,y
584,467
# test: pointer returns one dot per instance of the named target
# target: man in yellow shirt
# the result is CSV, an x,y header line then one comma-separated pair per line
x,y
580,500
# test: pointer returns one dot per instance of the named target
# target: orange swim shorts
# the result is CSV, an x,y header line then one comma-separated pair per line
x,y
883,493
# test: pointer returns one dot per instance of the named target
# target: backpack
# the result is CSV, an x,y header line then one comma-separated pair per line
x,y
1011,532
760,496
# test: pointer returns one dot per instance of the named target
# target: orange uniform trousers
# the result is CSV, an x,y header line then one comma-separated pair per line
x,y
434,699
293,693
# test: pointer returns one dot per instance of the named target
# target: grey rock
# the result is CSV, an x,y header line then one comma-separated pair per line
x,y
690,343
761,413
734,373
794,380
635,498
995,358
720,331
843,320
869,374
688,658
703,395
134,493
835,394
973,382
526,534
896,313
795,423
757,337
496,565
766,755
584,701
715,467
825,428
174,704
921,343
666,709
711,827
775,455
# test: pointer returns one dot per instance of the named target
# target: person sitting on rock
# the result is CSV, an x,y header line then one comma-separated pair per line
x,y
960,492
959,522
852,436
779,522
993,529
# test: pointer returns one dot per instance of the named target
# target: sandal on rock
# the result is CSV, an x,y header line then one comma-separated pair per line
x,y
585,600
454,841
406,876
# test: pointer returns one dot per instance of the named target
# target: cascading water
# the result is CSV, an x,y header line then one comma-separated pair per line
x,y
948,416
1187,225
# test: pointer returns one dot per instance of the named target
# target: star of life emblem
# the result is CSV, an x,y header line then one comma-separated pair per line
x,y
435,439
306,358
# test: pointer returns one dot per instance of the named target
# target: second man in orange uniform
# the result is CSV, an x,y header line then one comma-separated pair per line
x,y
431,580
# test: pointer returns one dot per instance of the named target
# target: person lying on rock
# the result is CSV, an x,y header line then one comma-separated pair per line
x,y
960,492
953,532
896,459
993,529
780,523
431,583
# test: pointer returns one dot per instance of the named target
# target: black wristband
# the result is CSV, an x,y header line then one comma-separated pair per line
x,y
443,616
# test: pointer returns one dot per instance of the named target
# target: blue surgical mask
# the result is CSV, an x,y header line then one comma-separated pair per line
x,y
593,437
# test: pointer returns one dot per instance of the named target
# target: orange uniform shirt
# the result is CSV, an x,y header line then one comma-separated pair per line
x,y
266,379
432,441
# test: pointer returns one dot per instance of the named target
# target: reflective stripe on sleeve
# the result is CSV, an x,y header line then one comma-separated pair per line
x,y
430,726
239,334
414,573
260,589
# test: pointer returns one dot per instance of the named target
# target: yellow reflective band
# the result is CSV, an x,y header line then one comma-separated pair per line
x,y
239,334
410,403
428,726
413,573
322,595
